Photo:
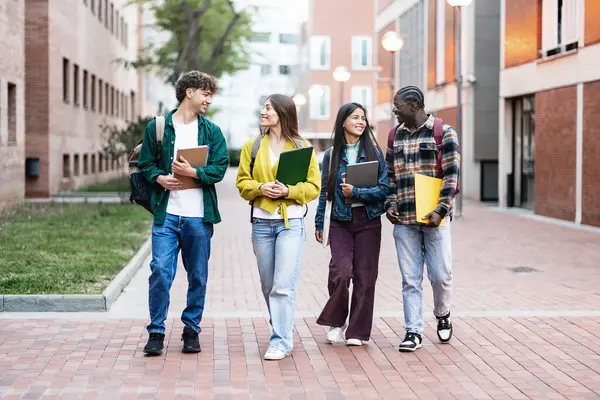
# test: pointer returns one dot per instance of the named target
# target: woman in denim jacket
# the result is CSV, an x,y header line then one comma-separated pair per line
x,y
355,233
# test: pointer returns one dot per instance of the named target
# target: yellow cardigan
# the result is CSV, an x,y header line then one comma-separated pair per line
x,y
301,193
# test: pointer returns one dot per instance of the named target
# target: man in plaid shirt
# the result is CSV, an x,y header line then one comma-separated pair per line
x,y
414,150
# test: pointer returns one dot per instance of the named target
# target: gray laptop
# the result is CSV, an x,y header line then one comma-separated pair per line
x,y
363,175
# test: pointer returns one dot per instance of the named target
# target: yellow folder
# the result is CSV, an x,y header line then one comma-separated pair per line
x,y
427,196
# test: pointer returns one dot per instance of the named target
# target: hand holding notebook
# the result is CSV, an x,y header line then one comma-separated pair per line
x,y
197,158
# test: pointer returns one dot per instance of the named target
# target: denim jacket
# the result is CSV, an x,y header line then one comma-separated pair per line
x,y
372,197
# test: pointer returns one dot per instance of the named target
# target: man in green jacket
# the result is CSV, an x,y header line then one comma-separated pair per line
x,y
183,218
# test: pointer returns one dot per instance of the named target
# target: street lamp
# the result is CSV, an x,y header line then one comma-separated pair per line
x,y
392,43
299,99
458,5
341,74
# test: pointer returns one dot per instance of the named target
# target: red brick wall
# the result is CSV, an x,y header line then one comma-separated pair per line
x,y
36,95
555,152
592,25
384,61
523,32
591,150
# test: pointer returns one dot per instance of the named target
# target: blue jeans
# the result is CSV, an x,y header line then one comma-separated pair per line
x,y
417,245
192,236
279,257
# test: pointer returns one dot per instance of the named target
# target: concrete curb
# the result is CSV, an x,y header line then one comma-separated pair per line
x,y
79,302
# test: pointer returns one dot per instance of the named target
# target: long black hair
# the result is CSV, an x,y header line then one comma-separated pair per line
x,y
368,145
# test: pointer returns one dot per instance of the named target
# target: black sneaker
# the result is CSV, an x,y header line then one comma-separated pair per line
x,y
444,328
155,344
412,341
191,344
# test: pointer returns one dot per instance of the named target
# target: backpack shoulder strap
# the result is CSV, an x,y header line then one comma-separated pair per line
x,y
254,152
438,131
160,128
392,137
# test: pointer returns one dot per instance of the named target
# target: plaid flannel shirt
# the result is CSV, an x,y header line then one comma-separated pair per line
x,y
417,152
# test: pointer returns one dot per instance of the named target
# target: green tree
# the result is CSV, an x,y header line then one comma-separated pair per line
x,y
205,35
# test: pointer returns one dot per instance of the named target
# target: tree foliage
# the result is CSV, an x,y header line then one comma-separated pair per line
x,y
205,35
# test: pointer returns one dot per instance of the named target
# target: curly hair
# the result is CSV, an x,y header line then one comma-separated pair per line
x,y
194,80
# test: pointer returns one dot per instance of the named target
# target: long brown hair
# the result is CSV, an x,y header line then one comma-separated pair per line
x,y
285,108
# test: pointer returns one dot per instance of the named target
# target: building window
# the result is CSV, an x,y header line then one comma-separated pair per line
x,y
126,112
123,108
122,31
320,102
100,162
66,166
117,25
65,80
93,7
118,103
100,10
133,111
440,41
86,165
93,163
93,92
12,113
320,50
266,69
284,70
363,95
362,52
288,38
100,97
261,37
85,89
560,26
112,18
112,101
76,165
126,36
107,93
106,14
75,84
106,162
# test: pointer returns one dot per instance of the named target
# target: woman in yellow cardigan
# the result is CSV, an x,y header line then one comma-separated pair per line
x,y
278,233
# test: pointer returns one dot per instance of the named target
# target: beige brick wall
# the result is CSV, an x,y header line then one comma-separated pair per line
x,y
71,128
12,140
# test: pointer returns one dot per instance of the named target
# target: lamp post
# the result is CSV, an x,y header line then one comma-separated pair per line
x,y
341,74
392,43
458,5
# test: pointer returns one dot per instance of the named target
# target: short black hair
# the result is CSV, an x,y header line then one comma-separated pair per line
x,y
194,80
412,94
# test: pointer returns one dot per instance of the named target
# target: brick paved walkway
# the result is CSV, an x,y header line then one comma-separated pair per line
x,y
518,335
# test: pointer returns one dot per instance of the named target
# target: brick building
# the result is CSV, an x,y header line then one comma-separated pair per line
x,y
73,87
339,33
549,143
428,60
12,98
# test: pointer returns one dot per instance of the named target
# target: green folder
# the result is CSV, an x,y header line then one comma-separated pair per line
x,y
293,165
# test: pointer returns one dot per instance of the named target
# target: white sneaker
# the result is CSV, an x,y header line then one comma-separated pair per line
x,y
275,354
354,342
335,335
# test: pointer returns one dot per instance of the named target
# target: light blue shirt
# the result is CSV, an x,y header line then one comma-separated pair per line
x,y
352,156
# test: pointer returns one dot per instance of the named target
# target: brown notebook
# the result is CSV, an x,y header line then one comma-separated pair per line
x,y
197,157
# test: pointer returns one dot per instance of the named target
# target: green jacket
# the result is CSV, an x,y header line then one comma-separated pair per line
x,y
218,162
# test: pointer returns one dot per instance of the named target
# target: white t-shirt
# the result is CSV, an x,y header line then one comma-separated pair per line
x,y
188,202
293,210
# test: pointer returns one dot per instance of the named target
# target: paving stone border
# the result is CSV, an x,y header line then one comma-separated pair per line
x,y
79,302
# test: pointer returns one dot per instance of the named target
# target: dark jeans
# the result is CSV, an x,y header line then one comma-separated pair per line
x,y
192,236
355,247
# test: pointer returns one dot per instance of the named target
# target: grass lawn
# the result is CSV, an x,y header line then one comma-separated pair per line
x,y
68,248
120,184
